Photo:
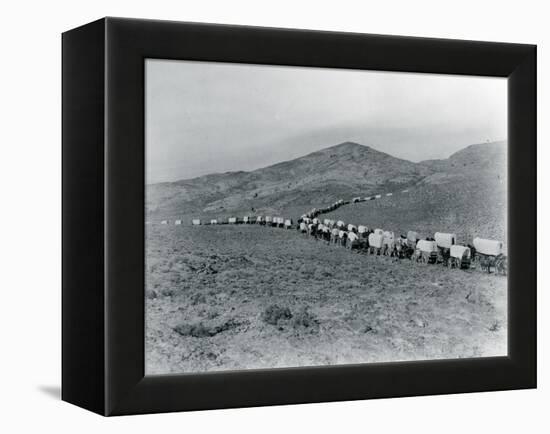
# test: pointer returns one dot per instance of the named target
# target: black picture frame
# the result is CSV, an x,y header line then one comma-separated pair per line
x,y
103,216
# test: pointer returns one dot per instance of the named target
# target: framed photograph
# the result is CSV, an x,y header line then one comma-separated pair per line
x,y
257,216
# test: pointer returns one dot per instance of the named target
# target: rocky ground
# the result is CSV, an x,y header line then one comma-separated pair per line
x,y
248,297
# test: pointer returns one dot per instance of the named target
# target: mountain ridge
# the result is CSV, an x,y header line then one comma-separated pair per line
x,y
340,171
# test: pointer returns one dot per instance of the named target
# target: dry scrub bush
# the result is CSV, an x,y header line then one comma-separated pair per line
x,y
274,313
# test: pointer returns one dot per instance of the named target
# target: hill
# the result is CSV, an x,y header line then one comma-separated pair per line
x,y
344,170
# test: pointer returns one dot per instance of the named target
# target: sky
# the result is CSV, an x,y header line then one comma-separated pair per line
x,y
214,117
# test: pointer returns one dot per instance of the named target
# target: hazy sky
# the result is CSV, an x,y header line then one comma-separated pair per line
x,y
205,117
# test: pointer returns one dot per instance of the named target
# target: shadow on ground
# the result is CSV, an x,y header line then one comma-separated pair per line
x,y
51,391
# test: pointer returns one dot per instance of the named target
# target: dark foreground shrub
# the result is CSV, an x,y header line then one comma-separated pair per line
x,y
201,330
305,319
274,313
198,330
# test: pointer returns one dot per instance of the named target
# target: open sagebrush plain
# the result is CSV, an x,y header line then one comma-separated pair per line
x,y
246,297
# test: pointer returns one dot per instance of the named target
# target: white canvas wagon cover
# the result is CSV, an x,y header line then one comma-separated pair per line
x,y
426,246
412,236
362,229
445,240
177,222
196,221
379,232
488,247
458,251
375,240
388,238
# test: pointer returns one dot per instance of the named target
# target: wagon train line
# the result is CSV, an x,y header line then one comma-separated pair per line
x,y
484,254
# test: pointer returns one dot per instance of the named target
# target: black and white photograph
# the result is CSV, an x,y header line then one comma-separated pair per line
x,y
300,216
277,217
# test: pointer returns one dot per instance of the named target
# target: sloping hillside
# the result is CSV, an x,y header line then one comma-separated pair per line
x,y
465,194
316,179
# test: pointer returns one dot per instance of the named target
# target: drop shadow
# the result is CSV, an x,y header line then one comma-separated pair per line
x,y
52,391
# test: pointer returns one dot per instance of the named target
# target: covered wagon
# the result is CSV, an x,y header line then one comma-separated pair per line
x,y
177,222
426,251
489,253
426,246
412,238
460,256
388,242
342,237
213,221
353,241
288,223
362,231
375,242
445,240
196,222
488,247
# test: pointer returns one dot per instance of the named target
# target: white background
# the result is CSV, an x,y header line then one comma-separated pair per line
x,y
30,217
